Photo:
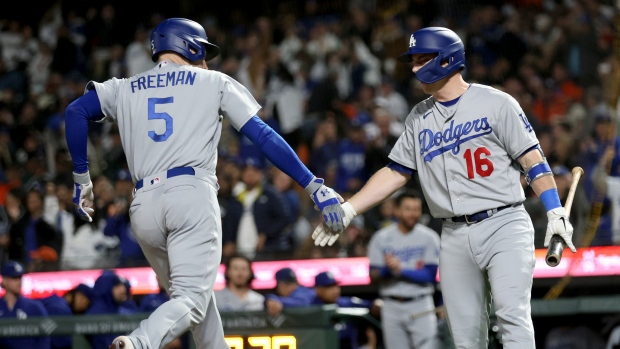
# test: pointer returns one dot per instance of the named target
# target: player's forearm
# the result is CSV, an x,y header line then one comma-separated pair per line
x,y
378,188
424,276
76,134
273,146
540,177
77,115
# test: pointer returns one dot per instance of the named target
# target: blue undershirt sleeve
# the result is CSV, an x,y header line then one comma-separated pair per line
x,y
78,113
400,168
276,150
424,275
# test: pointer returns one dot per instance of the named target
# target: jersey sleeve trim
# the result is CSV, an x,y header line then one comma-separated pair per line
x,y
254,113
400,168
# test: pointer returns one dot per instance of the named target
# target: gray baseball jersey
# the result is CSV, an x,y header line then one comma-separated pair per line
x,y
414,249
411,324
169,117
157,115
227,300
464,158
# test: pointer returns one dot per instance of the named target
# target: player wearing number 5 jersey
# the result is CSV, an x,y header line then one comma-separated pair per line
x,y
170,125
468,144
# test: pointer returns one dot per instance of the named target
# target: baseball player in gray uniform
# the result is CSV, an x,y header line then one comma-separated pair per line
x,y
469,144
403,260
170,126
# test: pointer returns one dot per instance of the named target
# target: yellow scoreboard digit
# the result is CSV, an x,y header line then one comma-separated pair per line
x,y
262,342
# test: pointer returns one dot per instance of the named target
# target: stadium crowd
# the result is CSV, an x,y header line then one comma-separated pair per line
x,y
327,78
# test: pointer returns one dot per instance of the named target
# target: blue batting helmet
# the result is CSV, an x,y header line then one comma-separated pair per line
x,y
184,37
445,43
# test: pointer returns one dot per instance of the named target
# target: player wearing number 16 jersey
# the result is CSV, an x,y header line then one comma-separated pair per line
x,y
468,144
170,125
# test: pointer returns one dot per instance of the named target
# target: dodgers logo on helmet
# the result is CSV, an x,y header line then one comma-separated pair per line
x,y
412,41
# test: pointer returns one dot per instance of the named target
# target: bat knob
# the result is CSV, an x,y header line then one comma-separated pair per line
x,y
554,253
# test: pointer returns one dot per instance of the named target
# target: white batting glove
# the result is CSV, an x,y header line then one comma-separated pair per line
x,y
323,236
559,225
83,197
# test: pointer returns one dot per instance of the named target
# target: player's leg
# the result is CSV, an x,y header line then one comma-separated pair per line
x,y
192,219
464,290
393,327
510,271
422,327
209,329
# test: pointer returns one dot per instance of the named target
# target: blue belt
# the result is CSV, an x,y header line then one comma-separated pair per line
x,y
173,172
477,217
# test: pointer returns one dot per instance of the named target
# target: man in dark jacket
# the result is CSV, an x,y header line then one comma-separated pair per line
x,y
110,293
31,232
261,233
74,302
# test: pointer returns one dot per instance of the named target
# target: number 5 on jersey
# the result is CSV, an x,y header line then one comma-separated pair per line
x,y
482,165
153,115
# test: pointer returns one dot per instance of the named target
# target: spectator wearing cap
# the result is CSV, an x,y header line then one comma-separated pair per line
x,y
288,293
328,292
14,305
74,302
31,232
110,293
351,172
238,294
129,306
266,215
118,224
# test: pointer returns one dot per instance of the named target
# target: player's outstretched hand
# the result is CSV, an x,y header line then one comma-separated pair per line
x,y
323,236
83,197
328,202
559,225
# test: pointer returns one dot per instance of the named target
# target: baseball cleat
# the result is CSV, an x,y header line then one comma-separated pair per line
x,y
122,342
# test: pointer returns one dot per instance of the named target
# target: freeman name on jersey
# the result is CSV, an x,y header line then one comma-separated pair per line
x,y
440,142
163,80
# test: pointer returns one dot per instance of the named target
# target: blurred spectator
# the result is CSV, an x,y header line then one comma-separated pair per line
x,y
285,185
110,293
381,140
285,102
238,294
31,232
84,244
391,100
118,223
573,336
324,153
265,217
351,171
328,292
138,54
74,302
288,293
231,211
403,261
152,301
14,305
129,306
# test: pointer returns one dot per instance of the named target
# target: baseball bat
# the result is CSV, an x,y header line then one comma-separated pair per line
x,y
557,244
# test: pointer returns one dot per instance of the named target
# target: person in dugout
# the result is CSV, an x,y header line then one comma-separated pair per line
x,y
14,305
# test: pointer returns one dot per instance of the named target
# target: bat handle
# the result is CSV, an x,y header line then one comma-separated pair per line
x,y
554,253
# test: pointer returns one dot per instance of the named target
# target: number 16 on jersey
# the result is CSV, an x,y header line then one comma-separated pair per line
x,y
478,162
